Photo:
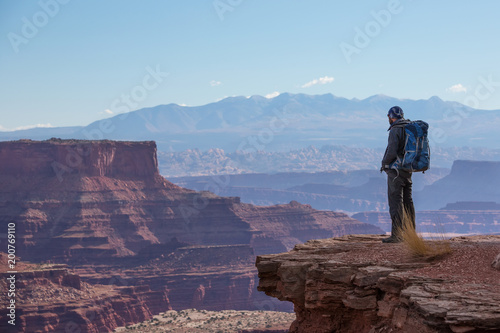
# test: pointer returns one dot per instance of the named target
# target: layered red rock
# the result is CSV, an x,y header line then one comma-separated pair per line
x,y
102,208
358,284
111,202
62,157
202,277
279,227
50,298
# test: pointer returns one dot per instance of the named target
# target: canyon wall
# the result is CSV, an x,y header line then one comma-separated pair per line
x,y
59,157
102,208
114,204
53,299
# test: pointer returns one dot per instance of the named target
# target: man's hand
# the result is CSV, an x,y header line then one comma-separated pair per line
x,y
381,169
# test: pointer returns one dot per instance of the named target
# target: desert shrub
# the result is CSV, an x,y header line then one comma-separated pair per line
x,y
421,248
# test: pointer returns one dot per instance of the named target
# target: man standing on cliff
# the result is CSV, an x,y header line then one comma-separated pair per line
x,y
398,181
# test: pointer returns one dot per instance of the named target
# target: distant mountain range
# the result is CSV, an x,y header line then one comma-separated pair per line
x,y
283,123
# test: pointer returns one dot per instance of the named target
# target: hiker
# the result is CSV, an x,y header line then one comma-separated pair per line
x,y
398,181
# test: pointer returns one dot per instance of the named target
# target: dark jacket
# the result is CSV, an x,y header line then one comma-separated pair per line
x,y
396,143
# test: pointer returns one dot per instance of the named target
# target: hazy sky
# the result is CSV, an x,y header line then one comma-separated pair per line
x,y
73,62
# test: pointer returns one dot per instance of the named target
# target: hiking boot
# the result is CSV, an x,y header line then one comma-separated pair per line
x,y
391,240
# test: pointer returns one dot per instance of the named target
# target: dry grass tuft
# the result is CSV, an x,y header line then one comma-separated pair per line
x,y
421,248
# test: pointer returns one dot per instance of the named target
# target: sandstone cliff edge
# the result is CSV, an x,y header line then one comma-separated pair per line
x,y
357,284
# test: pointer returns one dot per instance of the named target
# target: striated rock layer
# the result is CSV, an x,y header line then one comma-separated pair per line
x,y
278,228
103,208
357,284
53,299
63,157
87,201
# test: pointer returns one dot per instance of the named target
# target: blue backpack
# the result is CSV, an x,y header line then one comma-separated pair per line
x,y
417,156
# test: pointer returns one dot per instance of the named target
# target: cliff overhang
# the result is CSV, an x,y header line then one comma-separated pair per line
x,y
357,284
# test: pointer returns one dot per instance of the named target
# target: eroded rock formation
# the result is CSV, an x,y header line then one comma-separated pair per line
x,y
467,181
63,157
50,298
357,284
86,201
445,221
102,208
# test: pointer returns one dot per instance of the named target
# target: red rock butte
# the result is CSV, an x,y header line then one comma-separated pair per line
x,y
77,200
87,158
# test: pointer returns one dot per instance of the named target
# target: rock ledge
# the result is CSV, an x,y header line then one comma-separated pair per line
x,y
357,284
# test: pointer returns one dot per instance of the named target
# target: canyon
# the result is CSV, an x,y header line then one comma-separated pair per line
x,y
357,191
348,191
51,298
103,209
463,217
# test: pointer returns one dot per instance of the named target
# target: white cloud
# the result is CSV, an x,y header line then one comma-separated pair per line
x,y
457,88
272,95
33,126
106,112
321,80
27,127
214,83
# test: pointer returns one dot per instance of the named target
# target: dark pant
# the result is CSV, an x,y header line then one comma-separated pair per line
x,y
400,200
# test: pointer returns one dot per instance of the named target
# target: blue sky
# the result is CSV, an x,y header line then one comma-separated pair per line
x,y
77,61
